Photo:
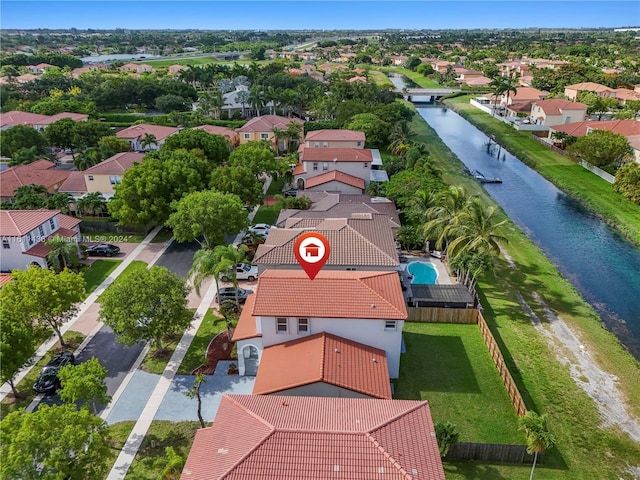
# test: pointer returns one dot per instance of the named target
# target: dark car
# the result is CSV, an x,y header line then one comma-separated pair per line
x,y
229,293
291,193
103,250
48,381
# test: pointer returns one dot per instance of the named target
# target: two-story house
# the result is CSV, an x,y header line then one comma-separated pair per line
x,y
104,176
334,138
37,121
557,111
24,233
261,128
344,170
146,137
360,242
366,307
572,92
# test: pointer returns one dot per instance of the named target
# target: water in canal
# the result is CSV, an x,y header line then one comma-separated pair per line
x,y
602,266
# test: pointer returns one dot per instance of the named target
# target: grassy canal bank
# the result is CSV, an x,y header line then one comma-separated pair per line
x,y
527,285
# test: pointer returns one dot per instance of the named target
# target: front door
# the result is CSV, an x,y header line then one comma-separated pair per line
x,y
250,354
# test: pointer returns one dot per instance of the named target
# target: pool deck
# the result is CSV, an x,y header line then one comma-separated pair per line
x,y
443,274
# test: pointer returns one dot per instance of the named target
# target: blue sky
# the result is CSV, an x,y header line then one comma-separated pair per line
x,y
281,15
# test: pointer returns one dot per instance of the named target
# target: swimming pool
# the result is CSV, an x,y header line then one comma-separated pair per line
x,y
424,273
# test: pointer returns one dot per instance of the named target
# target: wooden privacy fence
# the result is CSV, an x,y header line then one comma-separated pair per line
x,y
442,315
490,452
471,315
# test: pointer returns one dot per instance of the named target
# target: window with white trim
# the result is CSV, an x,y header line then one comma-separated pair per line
x,y
390,325
5,243
247,136
41,230
325,166
52,224
366,165
325,144
29,239
303,325
316,144
315,165
281,325
359,143
114,179
264,136
90,178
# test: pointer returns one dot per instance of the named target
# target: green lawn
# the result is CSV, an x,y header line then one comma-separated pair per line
x,y
275,187
195,356
119,433
449,365
151,458
98,271
163,235
416,77
570,177
545,384
25,387
267,214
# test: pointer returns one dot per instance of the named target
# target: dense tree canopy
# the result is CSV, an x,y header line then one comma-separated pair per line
x,y
16,344
240,181
601,147
258,157
627,182
214,147
376,129
22,137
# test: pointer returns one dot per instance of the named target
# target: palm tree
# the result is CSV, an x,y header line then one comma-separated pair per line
x,y
205,264
63,254
148,140
538,436
293,135
59,201
401,138
278,134
87,159
510,85
92,203
257,99
242,97
231,256
439,217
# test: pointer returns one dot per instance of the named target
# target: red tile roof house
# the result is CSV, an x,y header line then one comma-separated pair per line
x,y
231,135
323,365
40,172
366,307
34,120
364,241
557,111
24,233
136,135
343,170
572,92
261,128
335,205
334,139
263,436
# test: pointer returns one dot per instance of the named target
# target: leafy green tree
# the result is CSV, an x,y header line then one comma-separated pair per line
x,y
88,158
17,344
376,129
40,295
207,217
24,156
600,148
61,134
539,438
20,137
84,383
446,435
194,392
231,256
54,442
110,145
148,188
63,254
214,147
627,182
258,157
240,181
230,311
88,134
171,103
146,305
173,464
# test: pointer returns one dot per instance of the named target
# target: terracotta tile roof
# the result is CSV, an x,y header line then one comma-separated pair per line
x,y
335,176
327,358
40,172
258,436
139,131
298,169
215,130
575,129
335,294
246,327
5,278
626,94
365,241
342,154
266,123
115,165
524,94
39,249
15,117
15,223
341,210
334,135
556,106
578,129
74,183
589,86
76,117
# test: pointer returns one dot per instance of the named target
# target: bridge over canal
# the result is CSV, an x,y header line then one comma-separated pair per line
x,y
433,93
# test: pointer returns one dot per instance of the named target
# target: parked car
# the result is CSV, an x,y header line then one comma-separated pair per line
x,y
229,293
260,228
48,381
243,272
291,193
103,250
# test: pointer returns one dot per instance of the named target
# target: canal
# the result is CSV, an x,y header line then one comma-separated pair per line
x,y
603,266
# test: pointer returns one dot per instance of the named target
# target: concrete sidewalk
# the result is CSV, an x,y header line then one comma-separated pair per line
x,y
86,319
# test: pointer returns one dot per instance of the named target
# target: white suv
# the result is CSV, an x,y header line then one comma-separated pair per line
x,y
243,272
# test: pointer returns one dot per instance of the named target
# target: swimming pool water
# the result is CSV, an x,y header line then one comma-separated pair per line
x,y
423,273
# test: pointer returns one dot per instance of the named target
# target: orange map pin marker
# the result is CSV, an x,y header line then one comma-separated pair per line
x,y
312,251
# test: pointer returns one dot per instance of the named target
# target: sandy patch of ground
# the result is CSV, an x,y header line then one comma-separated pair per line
x,y
600,385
